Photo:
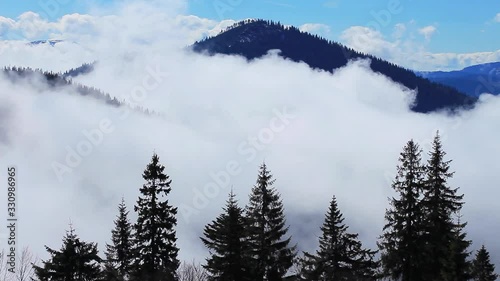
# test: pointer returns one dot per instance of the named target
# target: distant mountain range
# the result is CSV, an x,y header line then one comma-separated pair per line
x,y
254,38
473,80
43,42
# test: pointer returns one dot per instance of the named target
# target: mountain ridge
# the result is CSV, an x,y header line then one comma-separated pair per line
x,y
254,38
473,80
62,81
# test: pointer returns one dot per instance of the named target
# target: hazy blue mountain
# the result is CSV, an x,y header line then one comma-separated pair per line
x,y
253,39
49,42
473,80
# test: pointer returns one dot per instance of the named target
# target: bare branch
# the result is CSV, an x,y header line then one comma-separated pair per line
x,y
192,272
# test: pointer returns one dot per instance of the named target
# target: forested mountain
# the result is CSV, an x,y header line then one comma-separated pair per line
x,y
473,80
254,38
60,81
55,81
81,70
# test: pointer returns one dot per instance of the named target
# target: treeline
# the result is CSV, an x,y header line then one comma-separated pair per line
x,y
57,80
424,238
81,70
62,81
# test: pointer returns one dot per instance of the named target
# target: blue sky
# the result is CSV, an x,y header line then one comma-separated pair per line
x,y
462,26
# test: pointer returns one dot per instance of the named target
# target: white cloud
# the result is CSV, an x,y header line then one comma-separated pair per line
x,y
399,30
402,48
427,31
77,23
367,40
407,52
79,27
347,131
320,29
497,17
83,35
5,25
200,27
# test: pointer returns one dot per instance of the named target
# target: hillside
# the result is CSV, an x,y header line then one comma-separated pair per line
x,y
253,39
56,81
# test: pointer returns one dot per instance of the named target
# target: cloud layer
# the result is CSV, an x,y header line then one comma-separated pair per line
x,y
407,46
321,134
409,52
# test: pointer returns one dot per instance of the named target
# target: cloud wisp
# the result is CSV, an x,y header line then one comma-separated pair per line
x,y
427,31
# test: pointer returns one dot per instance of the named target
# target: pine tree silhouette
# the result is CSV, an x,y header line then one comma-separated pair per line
x,y
229,252
155,236
271,252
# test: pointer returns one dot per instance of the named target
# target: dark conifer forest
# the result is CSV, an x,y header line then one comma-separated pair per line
x,y
424,237
255,38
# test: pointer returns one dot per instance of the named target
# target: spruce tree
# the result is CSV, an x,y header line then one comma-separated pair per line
x,y
271,253
457,267
225,239
340,256
482,268
155,237
119,256
401,243
75,261
440,203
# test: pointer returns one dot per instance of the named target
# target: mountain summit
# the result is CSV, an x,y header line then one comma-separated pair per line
x,y
254,38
